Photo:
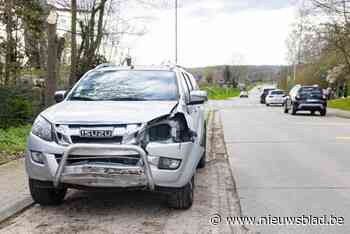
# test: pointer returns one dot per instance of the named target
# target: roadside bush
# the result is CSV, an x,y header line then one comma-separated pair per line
x,y
15,106
13,140
220,93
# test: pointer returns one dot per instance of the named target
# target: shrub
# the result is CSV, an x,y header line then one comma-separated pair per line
x,y
15,106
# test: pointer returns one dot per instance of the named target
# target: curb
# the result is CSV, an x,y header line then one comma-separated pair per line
x,y
8,211
339,113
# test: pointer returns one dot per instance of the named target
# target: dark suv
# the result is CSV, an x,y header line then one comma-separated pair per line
x,y
264,95
306,98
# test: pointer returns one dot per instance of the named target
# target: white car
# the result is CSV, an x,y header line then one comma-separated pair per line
x,y
275,97
120,127
244,94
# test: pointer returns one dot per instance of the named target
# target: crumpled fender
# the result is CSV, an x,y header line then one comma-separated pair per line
x,y
181,107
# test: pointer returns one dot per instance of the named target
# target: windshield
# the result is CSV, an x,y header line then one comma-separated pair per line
x,y
127,86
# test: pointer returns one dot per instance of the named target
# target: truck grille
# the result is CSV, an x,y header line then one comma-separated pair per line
x,y
130,160
82,140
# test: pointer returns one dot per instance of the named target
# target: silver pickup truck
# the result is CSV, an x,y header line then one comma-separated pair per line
x,y
120,127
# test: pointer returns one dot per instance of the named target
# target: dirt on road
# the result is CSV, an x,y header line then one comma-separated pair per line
x,y
141,211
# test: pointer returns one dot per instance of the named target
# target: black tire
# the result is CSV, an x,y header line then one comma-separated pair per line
x,y
267,104
323,112
294,110
203,160
312,112
46,196
183,197
286,109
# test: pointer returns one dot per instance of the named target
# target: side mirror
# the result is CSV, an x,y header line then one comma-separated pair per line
x,y
60,95
198,97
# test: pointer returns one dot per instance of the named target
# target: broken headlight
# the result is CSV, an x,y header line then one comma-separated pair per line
x,y
166,131
161,132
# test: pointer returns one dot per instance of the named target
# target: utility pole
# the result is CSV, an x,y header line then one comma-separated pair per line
x,y
176,32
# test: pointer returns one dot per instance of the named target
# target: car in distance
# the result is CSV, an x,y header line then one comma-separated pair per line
x,y
120,127
306,98
244,94
264,93
275,97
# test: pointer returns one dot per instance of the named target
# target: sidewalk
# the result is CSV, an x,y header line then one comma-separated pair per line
x,y
338,113
14,192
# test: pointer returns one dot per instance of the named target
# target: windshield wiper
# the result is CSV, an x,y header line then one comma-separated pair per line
x,y
80,98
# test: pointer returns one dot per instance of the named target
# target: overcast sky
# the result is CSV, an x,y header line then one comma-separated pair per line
x,y
213,32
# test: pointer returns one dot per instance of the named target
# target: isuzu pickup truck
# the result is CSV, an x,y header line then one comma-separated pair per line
x,y
124,128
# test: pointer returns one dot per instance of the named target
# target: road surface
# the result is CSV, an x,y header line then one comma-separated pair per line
x,y
288,165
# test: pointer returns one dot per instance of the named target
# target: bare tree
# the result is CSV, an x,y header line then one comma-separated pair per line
x,y
74,58
336,30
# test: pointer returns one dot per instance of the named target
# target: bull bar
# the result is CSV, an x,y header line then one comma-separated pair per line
x,y
104,147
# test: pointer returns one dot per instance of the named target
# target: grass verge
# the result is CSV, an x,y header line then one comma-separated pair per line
x,y
13,142
221,93
341,104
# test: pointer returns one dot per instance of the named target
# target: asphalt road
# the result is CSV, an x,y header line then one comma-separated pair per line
x,y
288,165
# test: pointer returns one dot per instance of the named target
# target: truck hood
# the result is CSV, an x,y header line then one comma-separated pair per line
x,y
107,112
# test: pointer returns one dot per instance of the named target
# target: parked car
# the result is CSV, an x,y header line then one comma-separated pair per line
x,y
264,93
121,127
244,94
306,98
275,97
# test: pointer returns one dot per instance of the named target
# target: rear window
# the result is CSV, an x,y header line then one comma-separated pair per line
x,y
266,91
277,93
310,90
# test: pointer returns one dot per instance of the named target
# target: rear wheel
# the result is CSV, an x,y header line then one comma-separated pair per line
x,y
46,196
286,110
294,109
312,112
267,104
183,197
323,112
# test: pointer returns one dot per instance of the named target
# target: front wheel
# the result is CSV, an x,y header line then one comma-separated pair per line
x,y
203,160
46,196
183,197
323,112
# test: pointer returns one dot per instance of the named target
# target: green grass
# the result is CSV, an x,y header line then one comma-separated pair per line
x,y
341,104
220,93
13,142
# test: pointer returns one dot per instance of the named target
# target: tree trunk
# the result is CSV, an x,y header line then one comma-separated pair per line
x,y
9,41
51,81
73,69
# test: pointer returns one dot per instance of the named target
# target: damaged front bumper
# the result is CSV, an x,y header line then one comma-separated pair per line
x,y
104,175
145,174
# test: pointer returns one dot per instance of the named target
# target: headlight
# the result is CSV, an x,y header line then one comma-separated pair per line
x,y
42,128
